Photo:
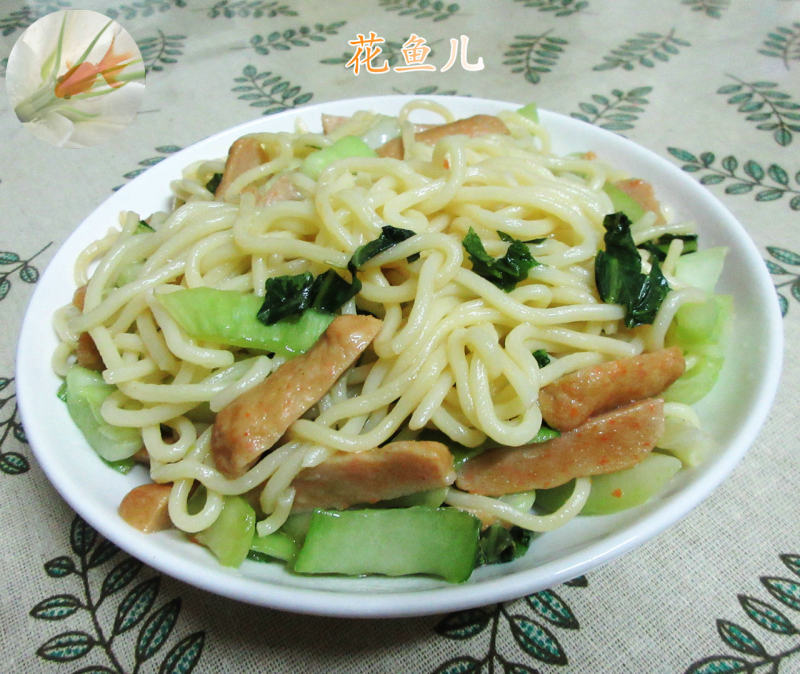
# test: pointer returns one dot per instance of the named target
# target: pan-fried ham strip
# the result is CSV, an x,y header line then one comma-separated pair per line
x,y
253,422
477,125
244,154
571,400
396,469
604,444
146,507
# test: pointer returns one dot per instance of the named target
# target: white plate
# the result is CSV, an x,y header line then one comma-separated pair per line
x,y
733,412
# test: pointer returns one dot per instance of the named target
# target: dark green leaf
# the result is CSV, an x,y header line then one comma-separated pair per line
x,y
183,658
739,638
739,188
766,616
120,576
580,581
778,174
288,296
769,195
13,463
682,155
729,89
213,184
542,357
498,544
536,640
7,257
754,170
783,303
553,609
619,277
59,567
505,272
66,647
136,604
463,624
712,179
57,607
157,630
796,290
82,536
784,590
389,237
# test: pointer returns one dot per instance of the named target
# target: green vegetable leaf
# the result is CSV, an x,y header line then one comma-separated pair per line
x,y
541,357
619,277
389,237
498,545
505,272
213,184
658,247
292,295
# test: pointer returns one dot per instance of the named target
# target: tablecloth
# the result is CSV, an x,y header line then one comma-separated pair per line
x,y
713,86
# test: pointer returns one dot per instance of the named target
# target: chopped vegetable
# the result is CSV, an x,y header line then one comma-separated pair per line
x,y
701,269
389,237
213,184
292,295
499,544
530,111
542,357
619,277
86,392
659,247
277,545
396,542
623,202
232,533
505,272
229,317
616,491
348,146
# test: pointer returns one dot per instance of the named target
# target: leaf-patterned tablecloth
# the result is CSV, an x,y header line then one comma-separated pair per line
x,y
711,85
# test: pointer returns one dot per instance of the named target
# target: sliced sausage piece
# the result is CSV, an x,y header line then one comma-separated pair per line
x,y
642,193
571,400
282,189
147,507
244,154
396,469
478,125
87,354
604,444
253,422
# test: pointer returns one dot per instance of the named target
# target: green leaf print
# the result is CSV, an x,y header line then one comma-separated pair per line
x,y
249,8
762,103
268,91
143,8
616,112
783,43
556,7
163,152
530,634
160,50
765,616
756,178
88,563
11,462
12,263
645,49
436,10
23,17
303,36
790,258
534,55
712,8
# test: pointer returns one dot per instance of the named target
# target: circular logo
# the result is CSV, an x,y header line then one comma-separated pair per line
x,y
75,78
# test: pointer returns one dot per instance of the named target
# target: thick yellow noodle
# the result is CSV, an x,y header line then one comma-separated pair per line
x,y
455,351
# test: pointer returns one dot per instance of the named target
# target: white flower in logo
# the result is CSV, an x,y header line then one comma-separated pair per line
x,y
75,77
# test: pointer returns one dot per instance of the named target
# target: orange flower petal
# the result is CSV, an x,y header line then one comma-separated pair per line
x,y
76,80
